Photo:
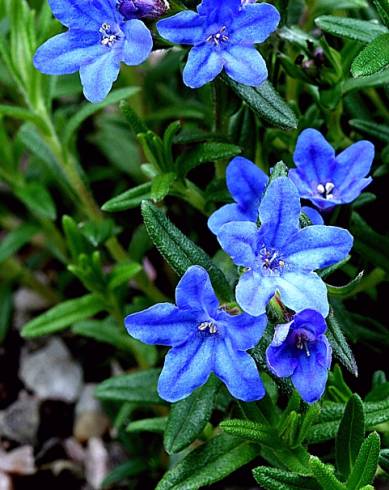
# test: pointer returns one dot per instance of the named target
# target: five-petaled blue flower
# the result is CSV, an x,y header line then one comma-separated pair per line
x,y
326,179
301,351
97,41
281,257
204,339
246,183
223,34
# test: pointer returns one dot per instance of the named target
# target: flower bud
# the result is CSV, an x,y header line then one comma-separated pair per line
x,y
139,9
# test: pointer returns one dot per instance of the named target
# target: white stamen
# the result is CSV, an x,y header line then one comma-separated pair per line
x,y
329,187
207,326
320,189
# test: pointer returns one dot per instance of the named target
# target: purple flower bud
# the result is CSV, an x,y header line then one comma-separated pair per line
x,y
139,9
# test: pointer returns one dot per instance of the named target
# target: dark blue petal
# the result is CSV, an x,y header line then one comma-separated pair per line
x,y
314,157
254,23
186,368
66,52
354,189
315,217
238,372
246,182
304,185
240,240
353,163
97,77
186,27
279,212
281,356
254,292
311,320
310,376
203,65
228,213
208,6
77,14
244,64
318,246
244,331
162,324
195,293
302,290
138,42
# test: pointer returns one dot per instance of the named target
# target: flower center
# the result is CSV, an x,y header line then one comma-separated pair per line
x,y
302,343
271,260
207,327
325,190
219,37
108,35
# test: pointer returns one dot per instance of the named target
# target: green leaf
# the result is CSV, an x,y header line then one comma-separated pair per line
x,y
379,131
382,7
204,153
88,109
350,435
358,30
63,315
373,58
23,114
347,290
276,479
209,463
138,387
75,240
129,199
279,170
266,102
324,474
36,197
97,232
126,470
252,431
376,80
188,417
122,273
366,463
155,424
161,186
5,311
384,460
16,239
339,344
178,250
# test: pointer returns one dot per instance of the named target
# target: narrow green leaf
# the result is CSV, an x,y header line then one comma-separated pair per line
x,y
138,387
340,345
276,479
204,153
266,102
366,463
252,431
88,109
155,424
376,80
379,131
161,185
23,114
126,470
382,7
75,240
373,58
37,198
358,30
324,474
5,311
122,273
132,117
384,460
63,315
208,463
129,199
346,290
350,435
16,239
188,417
178,250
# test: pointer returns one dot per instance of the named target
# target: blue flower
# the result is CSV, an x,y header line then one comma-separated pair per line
x,y
281,257
139,9
301,351
223,34
326,179
97,41
204,339
315,217
246,183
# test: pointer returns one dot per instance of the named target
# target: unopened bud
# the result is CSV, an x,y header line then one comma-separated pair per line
x,y
139,9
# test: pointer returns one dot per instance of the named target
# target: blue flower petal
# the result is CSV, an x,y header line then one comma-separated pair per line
x,y
238,372
203,65
162,324
311,375
314,157
354,189
195,293
77,14
246,182
315,217
97,77
353,163
312,320
318,246
255,23
228,213
186,27
244,64
282,359
300,290
244,331
279,212
207,6
254,292
65,53
138,42
239,240
186,368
